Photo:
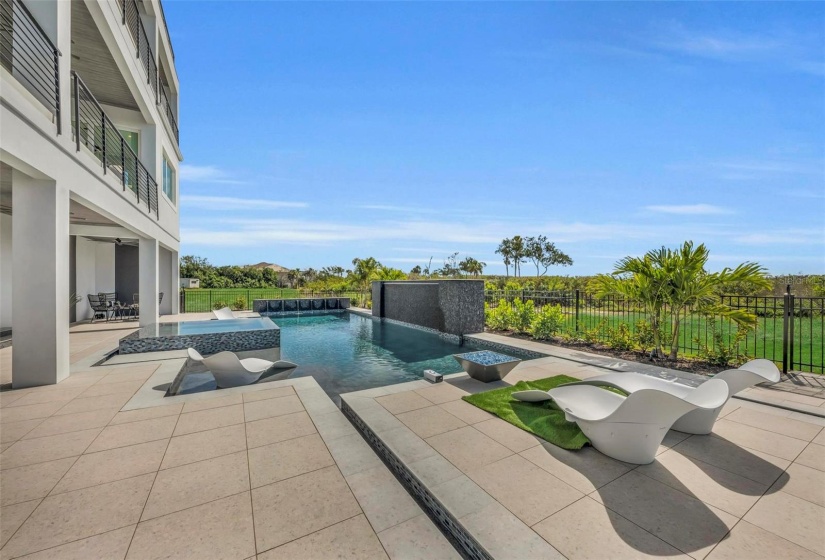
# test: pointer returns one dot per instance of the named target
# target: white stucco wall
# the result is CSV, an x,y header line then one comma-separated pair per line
x,y
5,271
85,275
105,267
165,280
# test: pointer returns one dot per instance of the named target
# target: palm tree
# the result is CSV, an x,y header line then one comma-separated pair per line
x,y
676,282
505,249
364,271
472,266
518,251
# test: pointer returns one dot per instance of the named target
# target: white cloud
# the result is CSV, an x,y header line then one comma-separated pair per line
x,y
687,209
813,236
233,203
206,174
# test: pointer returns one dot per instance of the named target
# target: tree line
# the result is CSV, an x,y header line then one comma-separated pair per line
x,y
518,250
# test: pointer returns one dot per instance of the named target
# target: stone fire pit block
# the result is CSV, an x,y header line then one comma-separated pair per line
x,y
486,365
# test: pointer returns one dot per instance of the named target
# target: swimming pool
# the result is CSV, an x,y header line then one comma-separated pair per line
x,y
347,352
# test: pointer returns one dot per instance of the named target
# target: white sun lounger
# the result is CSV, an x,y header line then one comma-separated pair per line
x,y
696,422
231,371
223,314
631,428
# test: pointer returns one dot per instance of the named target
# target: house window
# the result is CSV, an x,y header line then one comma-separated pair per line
x,y
168,179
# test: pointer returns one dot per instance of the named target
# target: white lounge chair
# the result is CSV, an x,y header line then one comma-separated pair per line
x,y
223,314
631,428
696,422
231,371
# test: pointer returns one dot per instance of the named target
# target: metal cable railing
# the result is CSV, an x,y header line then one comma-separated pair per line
x,y
144,53
170,115
95,131
28,53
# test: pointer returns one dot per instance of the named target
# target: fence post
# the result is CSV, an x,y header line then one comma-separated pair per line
x,y
210,301
248,300
577,310
791,324
786,309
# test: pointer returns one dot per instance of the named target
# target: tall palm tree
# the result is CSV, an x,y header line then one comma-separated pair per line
x,y
675,283
364,271
505,249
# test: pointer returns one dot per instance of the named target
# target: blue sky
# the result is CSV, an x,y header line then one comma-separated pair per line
x,y
318,132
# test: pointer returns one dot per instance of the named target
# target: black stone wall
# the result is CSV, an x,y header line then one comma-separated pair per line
x,y
449,306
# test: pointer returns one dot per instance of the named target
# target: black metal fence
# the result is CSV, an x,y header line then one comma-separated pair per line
x,y
202,300
95,131
789,329
28,53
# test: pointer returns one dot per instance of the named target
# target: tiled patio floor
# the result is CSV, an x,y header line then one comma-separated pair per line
x,y
753,489
276,472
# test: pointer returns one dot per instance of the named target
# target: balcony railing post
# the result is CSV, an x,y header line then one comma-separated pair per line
x,y
103,134
123,11
123,162
57,88
76,112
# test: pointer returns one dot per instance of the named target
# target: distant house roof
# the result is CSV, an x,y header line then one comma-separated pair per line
x,y
273,266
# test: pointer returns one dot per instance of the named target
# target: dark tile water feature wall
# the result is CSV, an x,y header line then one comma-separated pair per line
x,y
450,306
300,305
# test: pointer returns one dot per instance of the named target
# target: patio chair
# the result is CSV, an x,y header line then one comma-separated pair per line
x,y
698,422
223,314
231,371
102,304
630,429
135,307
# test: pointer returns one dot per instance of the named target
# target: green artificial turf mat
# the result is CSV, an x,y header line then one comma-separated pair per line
x,y
542,419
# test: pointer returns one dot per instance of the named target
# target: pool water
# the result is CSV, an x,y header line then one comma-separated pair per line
x,y
348,352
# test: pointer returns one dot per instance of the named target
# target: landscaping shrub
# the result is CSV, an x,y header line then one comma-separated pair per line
x,y
620,338
239,304
523,314
720,352
643,335
220,304
547,322
594,335
500,318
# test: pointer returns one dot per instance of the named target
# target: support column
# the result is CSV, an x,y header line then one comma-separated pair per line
x,y
149,282
174,290
40,281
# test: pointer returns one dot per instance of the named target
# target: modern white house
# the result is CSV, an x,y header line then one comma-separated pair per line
x,y
89,161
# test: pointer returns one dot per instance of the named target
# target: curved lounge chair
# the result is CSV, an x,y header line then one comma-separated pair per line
x,y
223,314
631,428
697,422
231,371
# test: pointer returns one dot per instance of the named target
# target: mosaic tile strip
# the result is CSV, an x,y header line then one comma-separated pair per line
x,y
208,343
456,532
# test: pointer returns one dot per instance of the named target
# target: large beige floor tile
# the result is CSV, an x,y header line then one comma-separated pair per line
x,y
434,470
278,428
203,420
680,520
505,537
385,502
333,425
77,515
12,517
51,448
727,491
73,423
461,496
531,493
204,445
63,394
253,396
441,393
122,375
588,530
12,431
430,421
820,439
813,456
403,402
107,546
146,413
30,412
727,455
133,433
220,529
32,481
784,447
214,402
407,446
197,483
791,518
785,426
466,412
803,482
293,508
257,410
511,437
417,539
278,461
585,469
352,539
114,464
121,387
468,448
751,542
85,404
